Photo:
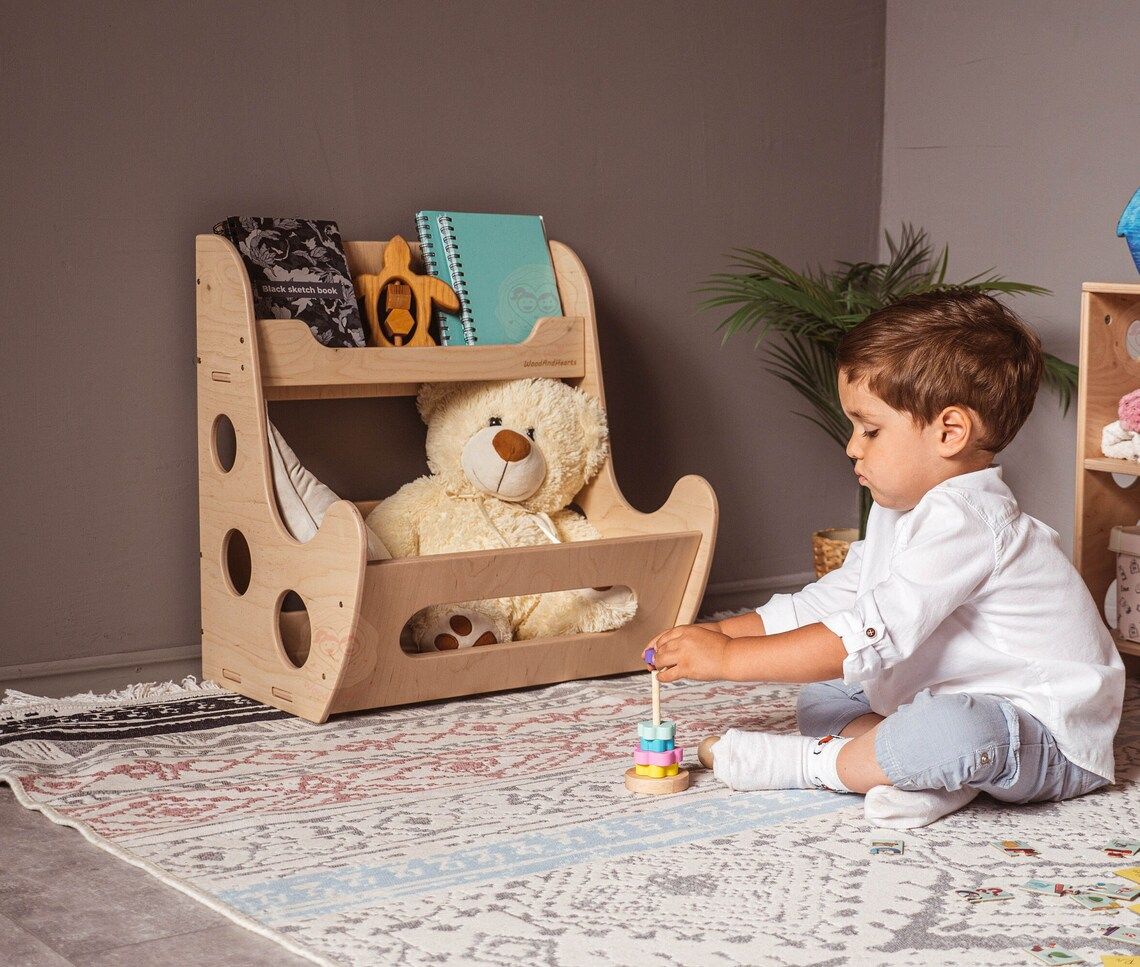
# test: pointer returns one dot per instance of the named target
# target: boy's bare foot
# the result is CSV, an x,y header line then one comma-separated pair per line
x,y
704,750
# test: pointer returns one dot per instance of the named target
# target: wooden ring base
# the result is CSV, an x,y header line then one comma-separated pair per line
x,y
647,785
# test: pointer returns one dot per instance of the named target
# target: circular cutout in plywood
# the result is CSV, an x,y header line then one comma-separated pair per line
x,y
1132,339
237,563
223,442
294,633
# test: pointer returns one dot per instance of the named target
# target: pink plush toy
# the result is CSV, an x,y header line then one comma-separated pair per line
x,y
1129,411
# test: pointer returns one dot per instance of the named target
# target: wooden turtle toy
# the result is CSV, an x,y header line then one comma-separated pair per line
x,y
408,297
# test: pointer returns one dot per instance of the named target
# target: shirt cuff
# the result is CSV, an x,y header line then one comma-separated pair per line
x,y
778,615
865,638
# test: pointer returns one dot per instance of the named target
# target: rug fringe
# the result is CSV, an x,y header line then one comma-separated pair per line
x,y
15,704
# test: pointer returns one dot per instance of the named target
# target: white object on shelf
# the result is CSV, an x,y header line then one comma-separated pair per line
x,y
1110,595
1125,543
302,499
1115,441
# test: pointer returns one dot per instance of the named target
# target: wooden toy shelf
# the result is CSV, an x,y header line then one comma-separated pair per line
x,y
295,366
1108,370
342,653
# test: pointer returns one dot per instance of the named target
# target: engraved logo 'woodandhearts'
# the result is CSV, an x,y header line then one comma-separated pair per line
x,y
328,642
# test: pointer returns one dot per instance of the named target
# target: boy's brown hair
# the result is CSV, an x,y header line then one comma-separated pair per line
x,y
953,347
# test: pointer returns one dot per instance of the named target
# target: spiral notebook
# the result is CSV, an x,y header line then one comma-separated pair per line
x,y
498,265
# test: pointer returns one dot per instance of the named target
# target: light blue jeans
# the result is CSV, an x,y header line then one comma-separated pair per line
x,y
954,740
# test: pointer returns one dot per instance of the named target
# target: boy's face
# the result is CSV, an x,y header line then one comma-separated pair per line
x,y
897,460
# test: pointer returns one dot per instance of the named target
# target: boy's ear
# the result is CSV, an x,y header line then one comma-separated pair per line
x,y
956,426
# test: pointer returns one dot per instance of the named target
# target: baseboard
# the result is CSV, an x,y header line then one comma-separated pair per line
x,y
751,592
103,673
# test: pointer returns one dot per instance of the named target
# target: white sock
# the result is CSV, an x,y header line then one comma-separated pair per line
x,y
909,809
760,760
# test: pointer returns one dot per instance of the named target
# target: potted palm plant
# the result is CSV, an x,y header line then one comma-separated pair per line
x,y
811,311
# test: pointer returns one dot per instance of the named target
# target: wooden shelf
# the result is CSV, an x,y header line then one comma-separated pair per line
x,y
1125,646
342,652
295,366
1112,288
1107,371
1130,468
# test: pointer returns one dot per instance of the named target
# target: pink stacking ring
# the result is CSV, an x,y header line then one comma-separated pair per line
x,y
670,758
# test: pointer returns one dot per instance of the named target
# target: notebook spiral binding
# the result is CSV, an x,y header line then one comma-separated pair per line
x,y
431,263
455,267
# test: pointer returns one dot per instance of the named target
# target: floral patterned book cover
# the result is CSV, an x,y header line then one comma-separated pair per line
x,y
298,270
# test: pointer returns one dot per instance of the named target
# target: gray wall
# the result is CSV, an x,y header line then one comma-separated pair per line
x,y
653,137
1010,132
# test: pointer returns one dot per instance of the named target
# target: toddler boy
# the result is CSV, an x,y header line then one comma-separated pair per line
x,y
957,650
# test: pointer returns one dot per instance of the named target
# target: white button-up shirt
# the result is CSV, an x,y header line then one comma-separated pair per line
x,y
965,593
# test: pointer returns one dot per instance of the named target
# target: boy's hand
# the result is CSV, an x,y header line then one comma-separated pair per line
x,y
690,651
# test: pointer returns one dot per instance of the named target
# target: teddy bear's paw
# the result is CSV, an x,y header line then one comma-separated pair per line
x,y
607,608
448,629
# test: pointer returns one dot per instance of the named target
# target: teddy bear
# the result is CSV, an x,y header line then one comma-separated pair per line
x,y
506,459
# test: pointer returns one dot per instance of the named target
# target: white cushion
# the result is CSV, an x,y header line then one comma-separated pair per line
x,y
302,499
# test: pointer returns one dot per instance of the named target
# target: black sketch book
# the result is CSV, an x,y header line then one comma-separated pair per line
x,y
298,270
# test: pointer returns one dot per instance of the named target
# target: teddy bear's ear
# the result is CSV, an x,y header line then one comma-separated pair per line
x,y
431,395
594,431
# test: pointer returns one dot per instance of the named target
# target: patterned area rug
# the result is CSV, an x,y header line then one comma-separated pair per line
x,y
497,831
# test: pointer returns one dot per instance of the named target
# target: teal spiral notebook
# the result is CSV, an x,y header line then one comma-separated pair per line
x,y
498,265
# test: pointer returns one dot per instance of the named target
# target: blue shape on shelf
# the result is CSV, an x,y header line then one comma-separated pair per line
x,y
1128,227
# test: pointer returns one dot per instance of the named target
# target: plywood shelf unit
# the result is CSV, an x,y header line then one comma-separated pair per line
x,y
342,653
295,366
1107,371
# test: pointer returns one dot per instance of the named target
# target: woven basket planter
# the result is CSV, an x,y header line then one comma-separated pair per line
x,y
829,547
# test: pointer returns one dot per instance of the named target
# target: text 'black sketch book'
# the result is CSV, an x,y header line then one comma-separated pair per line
x,y
298,270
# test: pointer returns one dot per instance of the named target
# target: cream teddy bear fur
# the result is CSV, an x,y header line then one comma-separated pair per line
x,y
506,458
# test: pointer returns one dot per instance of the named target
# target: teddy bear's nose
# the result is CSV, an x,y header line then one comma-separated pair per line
x,y
511,446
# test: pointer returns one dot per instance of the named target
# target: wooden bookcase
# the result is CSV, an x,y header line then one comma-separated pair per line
x,y
1108,371
342,652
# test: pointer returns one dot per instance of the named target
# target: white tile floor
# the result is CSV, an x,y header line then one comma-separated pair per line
x,y
64,901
